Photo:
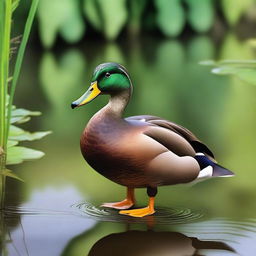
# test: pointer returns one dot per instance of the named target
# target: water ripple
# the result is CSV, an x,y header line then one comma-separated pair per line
x,y
162,216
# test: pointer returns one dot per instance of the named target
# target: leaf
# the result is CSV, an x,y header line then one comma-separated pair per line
x,y
114,15
21,115
242,69
20,120
9,173
73,28
25,112
234,9
15,4
52,14
14,131
200,15
19,134
91,10
170,17
17,154
11,143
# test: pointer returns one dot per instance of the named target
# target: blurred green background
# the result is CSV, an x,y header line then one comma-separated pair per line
x,y
76,21
161,44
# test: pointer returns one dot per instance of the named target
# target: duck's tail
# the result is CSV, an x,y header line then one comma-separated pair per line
x,y
210,169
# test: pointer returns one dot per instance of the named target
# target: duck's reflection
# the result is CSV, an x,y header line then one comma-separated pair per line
x,y
139,243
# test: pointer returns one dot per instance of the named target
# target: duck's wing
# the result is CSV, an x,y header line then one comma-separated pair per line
x,y
160,134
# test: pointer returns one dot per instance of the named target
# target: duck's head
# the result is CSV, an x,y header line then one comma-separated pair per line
x,y
108,78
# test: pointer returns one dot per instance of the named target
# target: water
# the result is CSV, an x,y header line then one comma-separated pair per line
x,y
56,211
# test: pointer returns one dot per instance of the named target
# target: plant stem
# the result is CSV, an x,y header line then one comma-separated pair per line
x,y
6,7
3,179
19,60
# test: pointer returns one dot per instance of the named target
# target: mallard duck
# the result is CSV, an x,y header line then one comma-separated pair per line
x,y
139,151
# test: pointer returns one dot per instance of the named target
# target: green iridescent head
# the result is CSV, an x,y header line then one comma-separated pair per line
x,y
111,77
108,78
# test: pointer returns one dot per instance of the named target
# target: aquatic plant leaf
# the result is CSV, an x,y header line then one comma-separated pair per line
x,y
246,74
20,119
91,10
114,15
73,28
200,15
17,154
11,174
19,134
170,17
11,143
24,112
242,69
21,115
234,9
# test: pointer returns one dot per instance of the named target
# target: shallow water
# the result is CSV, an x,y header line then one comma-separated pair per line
x,y
56,211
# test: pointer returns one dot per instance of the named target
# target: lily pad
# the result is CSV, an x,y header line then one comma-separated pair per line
x,y
242,69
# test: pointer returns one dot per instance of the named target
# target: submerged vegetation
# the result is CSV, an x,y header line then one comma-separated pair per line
x,y
10,135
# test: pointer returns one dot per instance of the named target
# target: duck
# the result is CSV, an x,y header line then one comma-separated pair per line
x,y
141,151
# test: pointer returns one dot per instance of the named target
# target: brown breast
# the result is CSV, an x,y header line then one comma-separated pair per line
x,y
112,147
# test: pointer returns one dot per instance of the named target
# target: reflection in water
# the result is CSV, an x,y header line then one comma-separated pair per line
x,y
150,243
172,232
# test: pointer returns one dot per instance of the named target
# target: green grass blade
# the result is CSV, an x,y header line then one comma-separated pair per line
x,y
6,16
19,59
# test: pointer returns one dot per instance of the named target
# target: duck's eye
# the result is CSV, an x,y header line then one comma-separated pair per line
x,y
107,74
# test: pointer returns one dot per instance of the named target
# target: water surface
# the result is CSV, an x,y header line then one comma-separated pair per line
x,y
56,211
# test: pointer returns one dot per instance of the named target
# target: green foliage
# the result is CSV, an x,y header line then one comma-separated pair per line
x,y
9,173
114,15
91,11
170,17
10,153
60,16
242,69
200,15
66,18
234,9
136,9
17,154
108,17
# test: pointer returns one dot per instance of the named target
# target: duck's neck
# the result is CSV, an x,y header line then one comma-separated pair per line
x,y
117,103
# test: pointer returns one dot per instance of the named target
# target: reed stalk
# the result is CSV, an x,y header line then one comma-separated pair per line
x,y
6,9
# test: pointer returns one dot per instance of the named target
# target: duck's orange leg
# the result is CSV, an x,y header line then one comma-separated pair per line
x,y
125,204
149,210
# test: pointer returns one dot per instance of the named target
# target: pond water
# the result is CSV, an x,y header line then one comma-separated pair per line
x,y
56,210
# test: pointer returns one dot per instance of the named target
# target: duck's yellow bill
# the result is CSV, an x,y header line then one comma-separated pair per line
x,y
88,96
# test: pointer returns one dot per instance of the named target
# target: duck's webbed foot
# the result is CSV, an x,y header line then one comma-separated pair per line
x,y
125,204
139,212
149,210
